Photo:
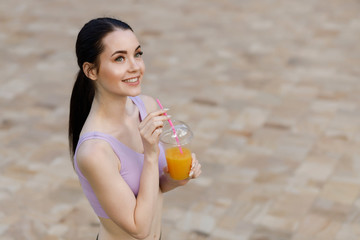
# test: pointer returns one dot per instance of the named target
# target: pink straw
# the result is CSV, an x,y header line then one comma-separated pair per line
x,y
172,126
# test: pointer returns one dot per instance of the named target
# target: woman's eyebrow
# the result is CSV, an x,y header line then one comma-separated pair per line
x,y
124,51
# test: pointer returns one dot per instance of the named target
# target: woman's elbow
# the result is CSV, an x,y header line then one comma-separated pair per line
x,y
138,230
141,235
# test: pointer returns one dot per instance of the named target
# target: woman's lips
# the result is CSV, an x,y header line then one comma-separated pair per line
x,y
132,81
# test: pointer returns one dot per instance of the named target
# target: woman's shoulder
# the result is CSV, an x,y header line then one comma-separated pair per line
x,y
149,103
92,153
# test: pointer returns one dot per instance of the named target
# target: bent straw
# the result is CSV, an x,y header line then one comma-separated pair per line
x,y
172,126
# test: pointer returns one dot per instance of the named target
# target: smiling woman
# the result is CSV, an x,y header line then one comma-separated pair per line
x,y
114,134
121,62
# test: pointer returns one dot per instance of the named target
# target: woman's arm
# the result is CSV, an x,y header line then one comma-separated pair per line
x,y
99,164
166,182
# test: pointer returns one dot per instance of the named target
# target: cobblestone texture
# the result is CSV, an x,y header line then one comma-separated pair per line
x,y
270,88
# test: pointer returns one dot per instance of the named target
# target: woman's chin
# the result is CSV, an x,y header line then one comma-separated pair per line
x,y
135,92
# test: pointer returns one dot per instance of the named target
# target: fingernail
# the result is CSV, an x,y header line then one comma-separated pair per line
x,y
191,173
166,109
169,116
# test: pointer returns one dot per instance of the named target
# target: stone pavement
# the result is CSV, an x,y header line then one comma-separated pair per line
x,y
271,89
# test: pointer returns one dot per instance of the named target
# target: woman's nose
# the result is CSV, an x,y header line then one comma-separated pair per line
x,y
134,65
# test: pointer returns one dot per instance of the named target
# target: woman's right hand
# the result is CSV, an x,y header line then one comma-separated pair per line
x,y
150,129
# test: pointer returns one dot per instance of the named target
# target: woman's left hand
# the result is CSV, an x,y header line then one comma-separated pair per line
x,y
195,170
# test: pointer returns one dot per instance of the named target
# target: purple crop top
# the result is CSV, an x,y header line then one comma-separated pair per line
x,y
131,162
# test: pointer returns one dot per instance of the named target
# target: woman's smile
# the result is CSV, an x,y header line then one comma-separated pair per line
x,y
132,81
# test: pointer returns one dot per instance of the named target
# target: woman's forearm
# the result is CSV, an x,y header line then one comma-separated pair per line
x,y
147,197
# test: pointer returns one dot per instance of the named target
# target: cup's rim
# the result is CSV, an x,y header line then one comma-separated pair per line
x,y
178,122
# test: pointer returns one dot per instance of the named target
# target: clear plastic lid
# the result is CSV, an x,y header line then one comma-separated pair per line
x,y
182,130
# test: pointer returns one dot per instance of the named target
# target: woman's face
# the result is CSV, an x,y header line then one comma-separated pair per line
x,y
121,66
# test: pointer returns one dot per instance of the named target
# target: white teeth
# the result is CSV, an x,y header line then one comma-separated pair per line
x,y
132,80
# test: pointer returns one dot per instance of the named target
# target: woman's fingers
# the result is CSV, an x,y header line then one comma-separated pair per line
x,y
151,128
158,113
152,124
195,167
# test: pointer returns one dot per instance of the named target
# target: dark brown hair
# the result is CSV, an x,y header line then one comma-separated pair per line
x,y
88,48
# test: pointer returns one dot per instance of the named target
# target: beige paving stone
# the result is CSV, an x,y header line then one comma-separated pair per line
x,y
176,234
270,89
314,124
277,223
347,170
345,193
268,137
303,186
294,146
58,230
249,120
198,222
264,233
221,234
317,227
330,210
317,168
242,231
301,91
292,205
350,231
286,114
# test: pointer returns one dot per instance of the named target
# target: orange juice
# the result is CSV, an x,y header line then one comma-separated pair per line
x,y
179,164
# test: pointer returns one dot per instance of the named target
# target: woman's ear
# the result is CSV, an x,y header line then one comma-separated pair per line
x,y
90,70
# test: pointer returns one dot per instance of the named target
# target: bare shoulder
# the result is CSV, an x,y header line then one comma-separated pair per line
x,y
95,154
149,102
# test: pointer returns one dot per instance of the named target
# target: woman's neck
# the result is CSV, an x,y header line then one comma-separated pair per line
x,y
111,112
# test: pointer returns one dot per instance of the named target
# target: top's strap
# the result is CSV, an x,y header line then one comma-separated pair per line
x,y
141,106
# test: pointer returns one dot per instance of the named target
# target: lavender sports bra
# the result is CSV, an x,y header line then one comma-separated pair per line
x,y
131,162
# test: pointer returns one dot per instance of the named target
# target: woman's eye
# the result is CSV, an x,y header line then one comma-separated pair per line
x,y
138,54
120,59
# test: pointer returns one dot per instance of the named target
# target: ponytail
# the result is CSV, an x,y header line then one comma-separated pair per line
x,y
80,103
88,48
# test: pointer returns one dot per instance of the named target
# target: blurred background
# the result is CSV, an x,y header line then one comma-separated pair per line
x,y
270,88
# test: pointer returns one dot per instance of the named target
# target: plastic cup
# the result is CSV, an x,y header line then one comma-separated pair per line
x,y
179,164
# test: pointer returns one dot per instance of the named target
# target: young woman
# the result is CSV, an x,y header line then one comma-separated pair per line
x,y
114,134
